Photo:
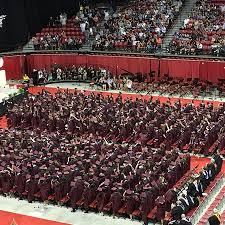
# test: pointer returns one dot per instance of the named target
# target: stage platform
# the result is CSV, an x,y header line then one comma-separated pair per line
x,y
5,92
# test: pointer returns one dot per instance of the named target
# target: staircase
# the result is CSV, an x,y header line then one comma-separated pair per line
x,y
29,47
87,46
215,199
178,23
218,203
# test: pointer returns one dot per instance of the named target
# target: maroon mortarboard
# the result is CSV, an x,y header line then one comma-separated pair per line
x,y
33,161
88,160
95,178
100,189
72,184
117,160
79,163
28,164
49,154
104,168
59,173
114,189
1,168
72,166
106,182
161,199
3,163
12,162
97,163
55,150
43,167
28,176
119,156
143,195
129,192
173,163
153,183
18,170
36,152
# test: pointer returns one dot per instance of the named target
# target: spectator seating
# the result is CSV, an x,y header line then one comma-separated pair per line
x,y
203,32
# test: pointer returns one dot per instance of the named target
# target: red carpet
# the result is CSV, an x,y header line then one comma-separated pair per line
x,y
3,122
35,90
8,217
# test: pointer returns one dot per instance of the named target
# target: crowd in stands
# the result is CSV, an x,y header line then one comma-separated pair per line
x,y
203,32
138,27
60,34
57,42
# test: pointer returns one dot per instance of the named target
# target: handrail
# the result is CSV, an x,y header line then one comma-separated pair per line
x,y
113,53
205,198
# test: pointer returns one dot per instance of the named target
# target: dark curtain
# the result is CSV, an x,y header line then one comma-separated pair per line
x,y
24,18
14,27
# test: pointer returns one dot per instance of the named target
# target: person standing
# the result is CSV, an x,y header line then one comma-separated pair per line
x,y
215,218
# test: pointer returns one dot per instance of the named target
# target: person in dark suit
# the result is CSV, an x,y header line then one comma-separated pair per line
x,y
177,210
215,218
184,220
218,162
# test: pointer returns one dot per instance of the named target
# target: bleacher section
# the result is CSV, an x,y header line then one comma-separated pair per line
x,y
203,32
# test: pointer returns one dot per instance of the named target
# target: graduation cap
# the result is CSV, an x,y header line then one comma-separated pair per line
x,y
3,163
114,189
100,189
66,172
95,178
97,163
28,176
161,199
72,184
143,195
104,168
1,168
129,192
18,170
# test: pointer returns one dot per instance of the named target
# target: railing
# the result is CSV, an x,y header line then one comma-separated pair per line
x,y
203,205
114,53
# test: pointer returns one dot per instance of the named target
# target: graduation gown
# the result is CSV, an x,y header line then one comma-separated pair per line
x,y
116,200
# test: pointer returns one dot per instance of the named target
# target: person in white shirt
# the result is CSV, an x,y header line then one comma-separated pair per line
x,y
83,26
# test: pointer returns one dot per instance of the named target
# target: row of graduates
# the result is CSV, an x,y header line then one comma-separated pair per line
x,y
88,169
139,121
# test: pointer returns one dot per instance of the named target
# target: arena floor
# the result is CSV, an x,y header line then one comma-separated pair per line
x,y
24,213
